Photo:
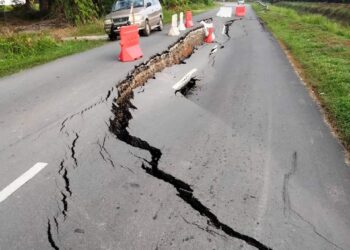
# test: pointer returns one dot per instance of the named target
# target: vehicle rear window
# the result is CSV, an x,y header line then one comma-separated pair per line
x,y
126,4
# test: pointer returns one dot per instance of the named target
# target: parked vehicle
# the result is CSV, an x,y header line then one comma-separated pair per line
x,y
146,14
240,1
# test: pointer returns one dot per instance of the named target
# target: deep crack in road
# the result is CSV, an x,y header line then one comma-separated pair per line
x,y
238,153
118,126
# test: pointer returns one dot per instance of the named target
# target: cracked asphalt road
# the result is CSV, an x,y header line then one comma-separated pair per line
x,y
243,161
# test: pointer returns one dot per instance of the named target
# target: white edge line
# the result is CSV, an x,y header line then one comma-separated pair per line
x,y
20,181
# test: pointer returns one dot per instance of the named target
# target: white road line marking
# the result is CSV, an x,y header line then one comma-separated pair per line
x,y
20,181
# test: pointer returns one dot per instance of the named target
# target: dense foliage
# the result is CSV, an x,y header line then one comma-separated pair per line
x,y
181,3
319,1
83,11
76,11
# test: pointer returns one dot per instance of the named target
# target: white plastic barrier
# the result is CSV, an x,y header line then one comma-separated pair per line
x,y
224,12
174,31
181,22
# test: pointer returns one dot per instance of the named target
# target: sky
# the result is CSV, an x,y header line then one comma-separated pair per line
x,y
10,2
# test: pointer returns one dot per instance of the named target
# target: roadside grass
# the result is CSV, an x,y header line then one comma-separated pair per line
x,y
322,49
95,28
196,9
22,51
335,11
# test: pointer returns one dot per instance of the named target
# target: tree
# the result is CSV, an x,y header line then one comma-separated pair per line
x,y
75,11
28,4
44,6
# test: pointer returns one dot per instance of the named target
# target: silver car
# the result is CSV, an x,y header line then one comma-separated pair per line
x,y
146,14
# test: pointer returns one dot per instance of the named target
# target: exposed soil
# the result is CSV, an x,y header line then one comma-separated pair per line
x,y
57,28
14,24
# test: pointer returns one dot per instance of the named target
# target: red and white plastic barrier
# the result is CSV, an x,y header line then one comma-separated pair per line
x,y
209,32
129,44
240,10
211,36
189,22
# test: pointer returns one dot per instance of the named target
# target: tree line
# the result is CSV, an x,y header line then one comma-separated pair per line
x,y
74,11
82,11
313,1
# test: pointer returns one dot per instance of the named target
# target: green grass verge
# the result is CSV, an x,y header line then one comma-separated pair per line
x,y
195,8
95,28
335,11
322,48
19,52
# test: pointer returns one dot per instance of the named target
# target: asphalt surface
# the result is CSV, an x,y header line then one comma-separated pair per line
x,y
246,160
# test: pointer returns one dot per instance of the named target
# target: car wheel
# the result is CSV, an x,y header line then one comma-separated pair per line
x,y
160,24
147,29
112,36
